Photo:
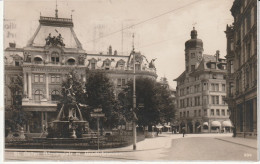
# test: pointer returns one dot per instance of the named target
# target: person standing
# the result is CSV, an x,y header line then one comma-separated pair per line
x,y
183,131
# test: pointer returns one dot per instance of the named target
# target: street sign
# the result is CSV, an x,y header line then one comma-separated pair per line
x,y
98,110
97,114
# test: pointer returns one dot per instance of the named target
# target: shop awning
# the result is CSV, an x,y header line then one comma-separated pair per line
x,y
159,127
215,124
226,124
206,123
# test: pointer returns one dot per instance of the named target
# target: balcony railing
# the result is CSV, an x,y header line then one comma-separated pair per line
x,y
38,102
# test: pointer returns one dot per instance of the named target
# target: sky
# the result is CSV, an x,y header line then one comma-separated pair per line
x,y
160,27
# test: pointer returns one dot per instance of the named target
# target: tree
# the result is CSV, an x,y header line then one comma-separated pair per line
x,y
154,102
15,117
100,93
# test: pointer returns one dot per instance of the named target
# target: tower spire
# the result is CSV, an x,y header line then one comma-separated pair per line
x,y
56,10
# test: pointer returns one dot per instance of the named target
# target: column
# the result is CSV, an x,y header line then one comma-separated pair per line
x,y
47,85
46,120
30,85
25,84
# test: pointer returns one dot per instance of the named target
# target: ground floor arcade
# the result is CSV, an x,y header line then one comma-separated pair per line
x,y
206,126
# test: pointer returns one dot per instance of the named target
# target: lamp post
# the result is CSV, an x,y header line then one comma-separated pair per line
x,y
134,100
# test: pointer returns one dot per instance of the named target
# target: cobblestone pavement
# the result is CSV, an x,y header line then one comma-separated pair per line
x,y
165,147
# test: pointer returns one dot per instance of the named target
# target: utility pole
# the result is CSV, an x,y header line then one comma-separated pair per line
x,y
134,100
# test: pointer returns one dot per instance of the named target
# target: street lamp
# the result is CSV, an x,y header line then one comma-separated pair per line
x,y
134,100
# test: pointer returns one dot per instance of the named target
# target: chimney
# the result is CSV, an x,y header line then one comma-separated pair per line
x,y
12,45
217,55
110,50
115,52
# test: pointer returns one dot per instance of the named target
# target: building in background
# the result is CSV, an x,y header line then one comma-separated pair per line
x,y
51,53
242,67
201,90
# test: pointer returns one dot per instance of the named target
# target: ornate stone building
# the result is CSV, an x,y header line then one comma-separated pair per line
x,y
45,61
201,90
242,67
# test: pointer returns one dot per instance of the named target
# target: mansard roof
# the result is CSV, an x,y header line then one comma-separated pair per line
x,y
54,26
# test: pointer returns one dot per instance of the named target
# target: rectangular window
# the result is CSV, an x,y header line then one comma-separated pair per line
x,y
36,78
53,79
57,79
212,87
188,113
205,86
188,90
93,65
223,100
199,112
223,112
205,112
119,82
217,112
223,87
195,113
217,99
212,99
212,112
184,114
217,87
180,114
41,78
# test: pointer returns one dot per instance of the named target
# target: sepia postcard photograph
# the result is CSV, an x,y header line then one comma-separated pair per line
x,y
129,81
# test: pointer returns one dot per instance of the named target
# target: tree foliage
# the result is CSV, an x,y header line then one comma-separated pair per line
x,y
15,117
96,92
100,93
154,102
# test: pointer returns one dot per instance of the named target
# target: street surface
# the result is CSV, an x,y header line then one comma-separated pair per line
x,y
165,147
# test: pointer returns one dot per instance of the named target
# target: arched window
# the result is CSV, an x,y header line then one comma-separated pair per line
x,y
38,60
71,61
55,95
38,95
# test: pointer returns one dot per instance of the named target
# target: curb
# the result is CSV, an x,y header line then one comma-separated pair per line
x,y
237,143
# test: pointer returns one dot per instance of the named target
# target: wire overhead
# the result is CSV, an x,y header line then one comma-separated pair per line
x,y
144,21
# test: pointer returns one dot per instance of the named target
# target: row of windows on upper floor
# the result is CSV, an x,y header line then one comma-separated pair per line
x,y
220,66
92,63
196,101
213,112
205,76
197,88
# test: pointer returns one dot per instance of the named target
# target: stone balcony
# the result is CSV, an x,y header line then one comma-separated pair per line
x,y
42,102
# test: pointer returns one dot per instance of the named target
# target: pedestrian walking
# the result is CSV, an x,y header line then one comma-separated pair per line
x,y
183,131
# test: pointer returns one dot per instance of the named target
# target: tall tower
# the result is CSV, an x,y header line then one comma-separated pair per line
x,y
193,52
